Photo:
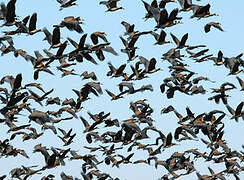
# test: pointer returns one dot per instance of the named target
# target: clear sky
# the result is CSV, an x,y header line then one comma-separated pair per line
x,y
230,42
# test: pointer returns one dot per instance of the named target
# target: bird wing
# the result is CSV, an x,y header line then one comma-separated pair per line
x,y
94,38
184,39
48,35
32,24
207,28
56,36
121,68
82,41
84,122
110,93
10,15
162,36
175,39
96,86
145,62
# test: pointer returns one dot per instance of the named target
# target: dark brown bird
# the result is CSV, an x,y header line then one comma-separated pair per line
x,y
69,141
38,70
68,110
65,134
38,98
202,11
164,19
72,23
149,65
131,43
149,8
53,39
66,3
94,37
208,26
195,55
87,75
160,38
116,72
186,5
129,29
9,14
113,96
32,25
180,43
218,60
87,126
111,5
236,113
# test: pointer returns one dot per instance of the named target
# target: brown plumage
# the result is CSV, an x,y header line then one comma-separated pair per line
x,y
208,26
111,5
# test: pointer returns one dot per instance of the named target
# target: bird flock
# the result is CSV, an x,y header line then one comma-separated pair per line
x,y
29,111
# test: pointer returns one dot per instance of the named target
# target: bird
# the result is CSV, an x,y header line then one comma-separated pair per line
x,y
129,85
202,11
68,110
129,29
180,43
87,126
236,114
116,72
163,19
195,55
111,5
38,98
95,35
149,65
129,45
149,8
186,5
69,141
32,25
208,26
87,75
113,96
72,23
54,38
66,3
9,14
160,38
219,59
96,86
39,69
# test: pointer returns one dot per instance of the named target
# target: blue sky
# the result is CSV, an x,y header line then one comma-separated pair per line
x,y
230,42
